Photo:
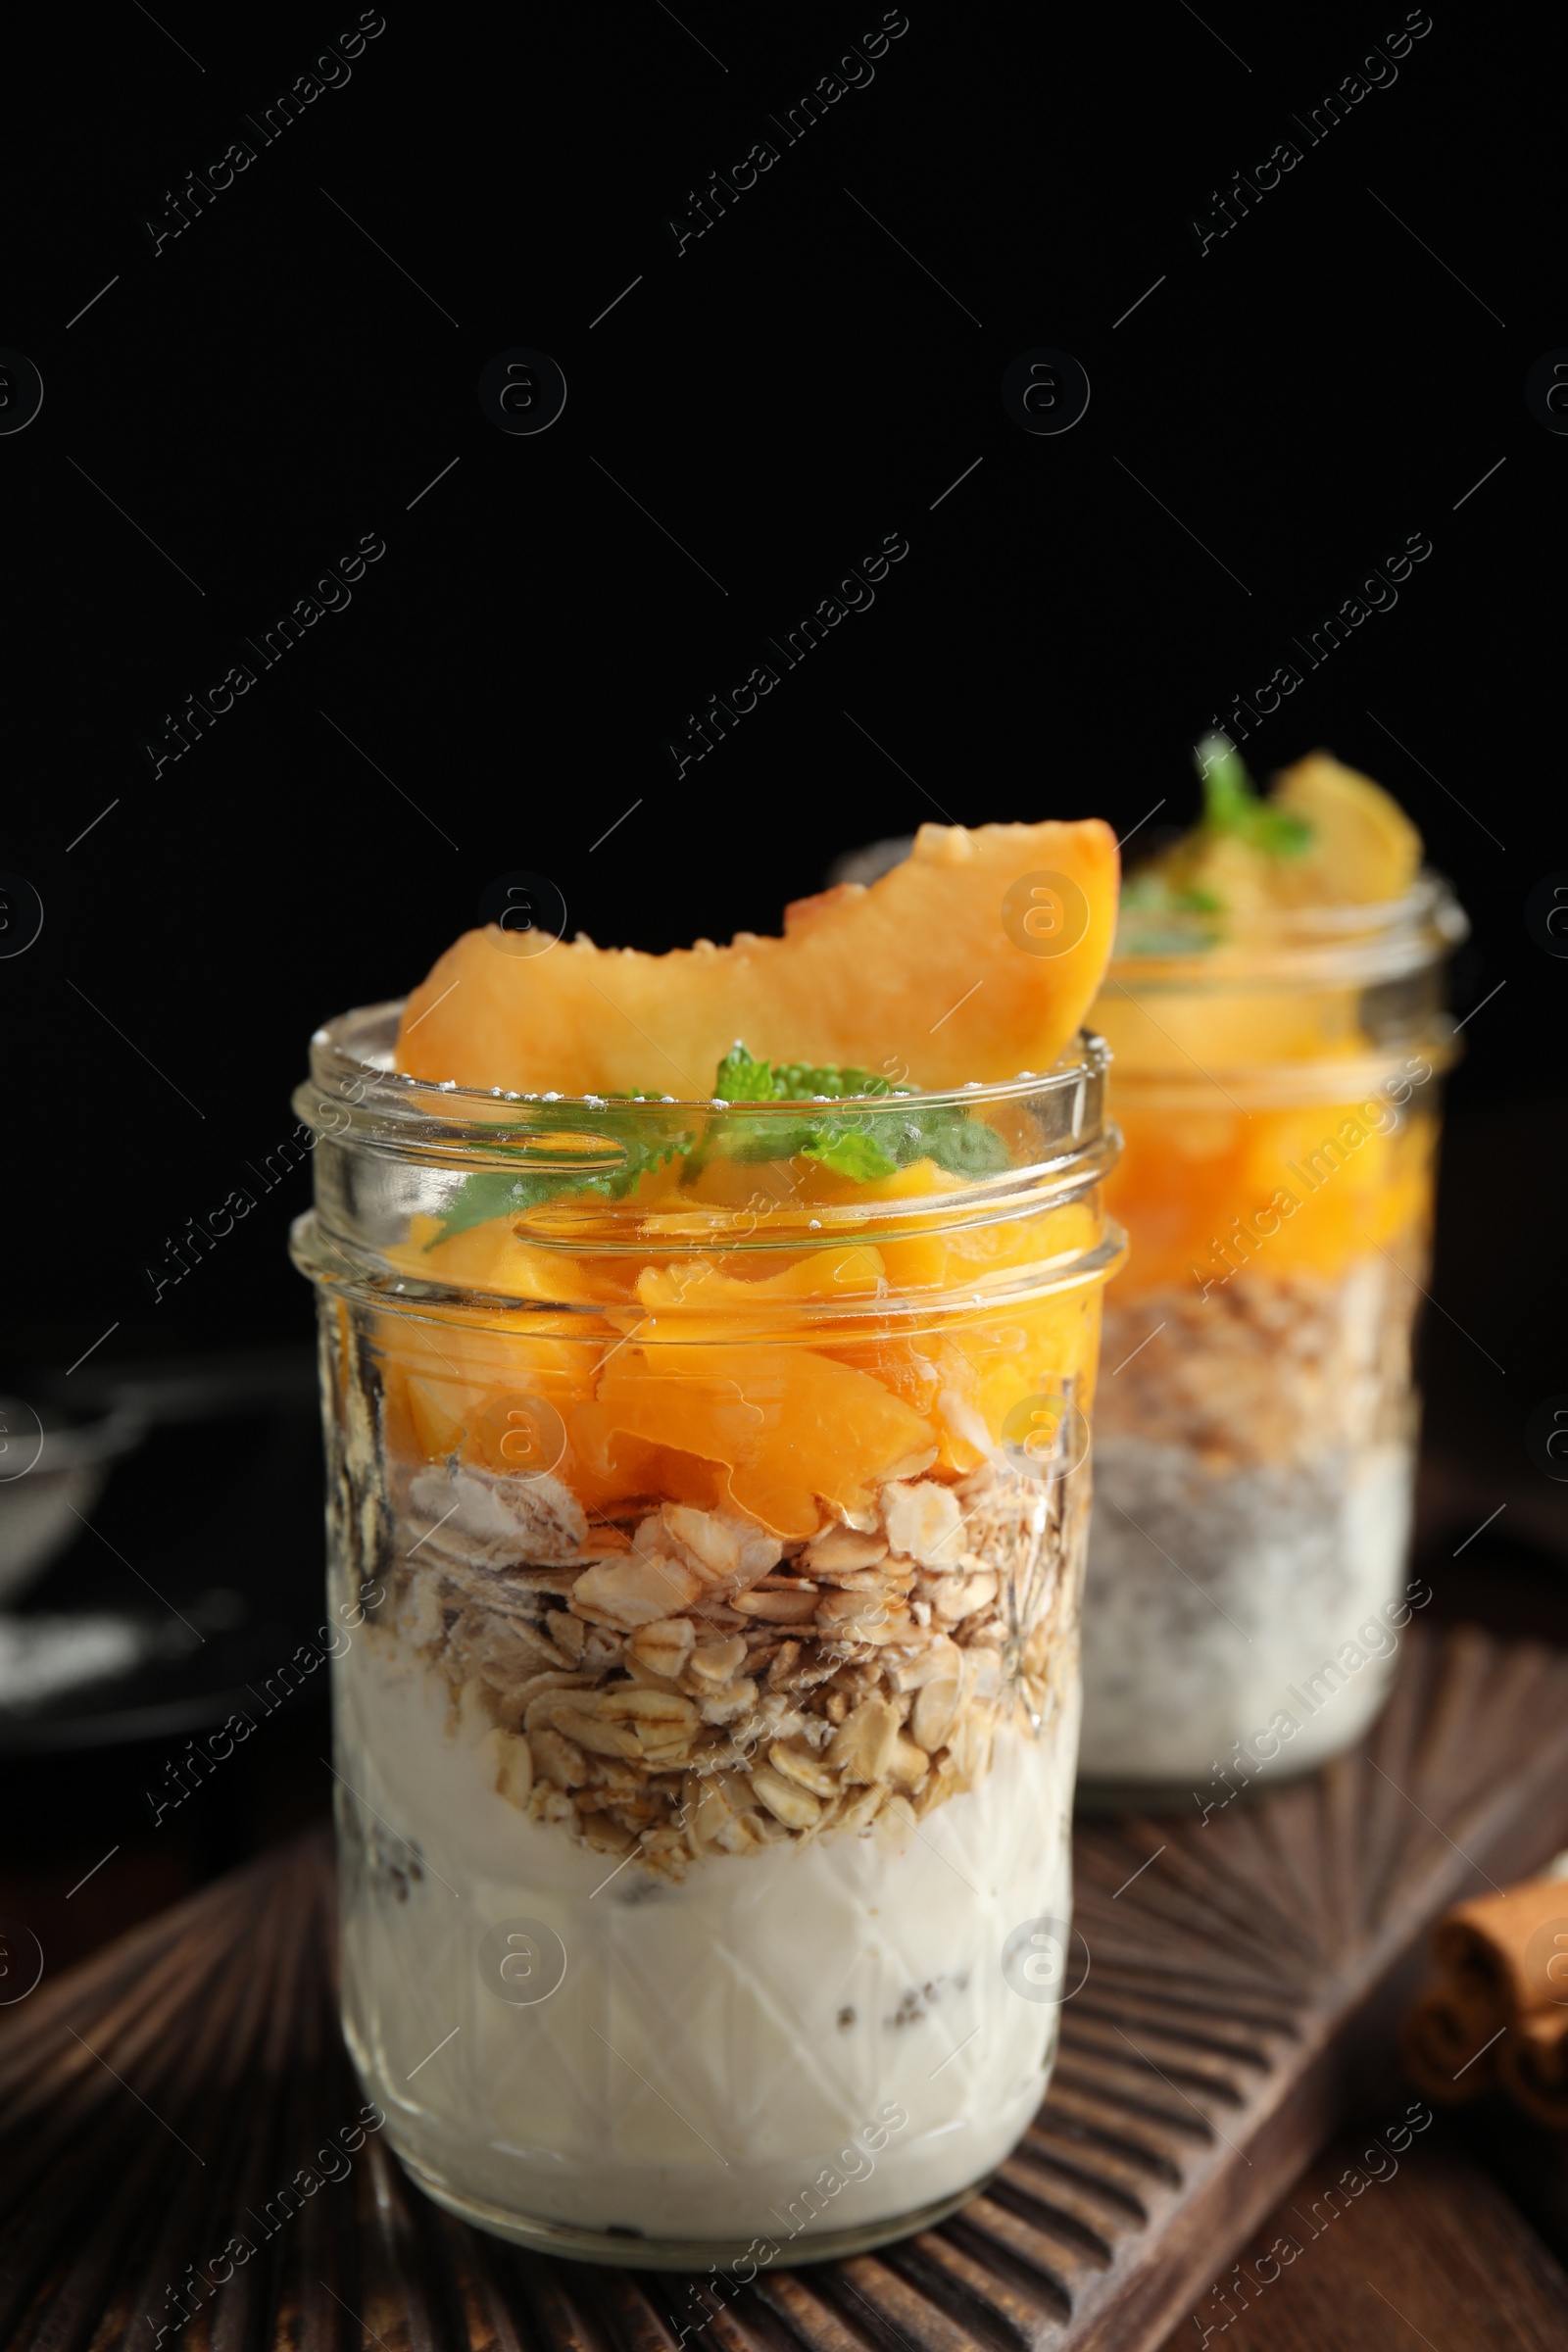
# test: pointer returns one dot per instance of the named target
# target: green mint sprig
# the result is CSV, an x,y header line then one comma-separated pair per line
x,y
1232,803
1233,808
508,1193
860,1144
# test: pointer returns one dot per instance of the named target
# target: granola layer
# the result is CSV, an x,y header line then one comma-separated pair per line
x,y
682,1683
1266,1369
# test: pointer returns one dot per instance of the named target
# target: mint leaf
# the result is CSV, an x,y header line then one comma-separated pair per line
x,y
490,1193
1150,895
865,1145
860,1144
851,1153
499,1193
741,1079
641,1160
964,1145
1232,803
799,1082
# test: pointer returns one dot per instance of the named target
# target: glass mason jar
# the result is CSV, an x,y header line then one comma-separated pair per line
x,y
1277,1087
706,1530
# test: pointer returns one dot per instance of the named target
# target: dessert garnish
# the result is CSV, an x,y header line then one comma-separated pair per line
x,y
1326,836
864,1145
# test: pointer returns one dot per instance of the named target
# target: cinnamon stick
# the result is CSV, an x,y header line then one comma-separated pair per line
x,y
1498,2009
1534,2066
1449,2042
1512,1946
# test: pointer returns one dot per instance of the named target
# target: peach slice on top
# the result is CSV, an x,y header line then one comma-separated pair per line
x,y
975,959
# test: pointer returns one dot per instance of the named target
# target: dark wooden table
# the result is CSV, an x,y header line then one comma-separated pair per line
x,y
1432,2252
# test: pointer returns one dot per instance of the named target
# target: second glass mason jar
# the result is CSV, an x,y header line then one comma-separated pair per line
x,y
1276,1082
708,1528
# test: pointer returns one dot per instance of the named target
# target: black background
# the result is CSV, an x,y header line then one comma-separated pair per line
x,y
787,391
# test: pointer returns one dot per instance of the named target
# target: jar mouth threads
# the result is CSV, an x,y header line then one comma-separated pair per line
x,y
1172,947
352,1063
1285,1085
1279,1010
992,1219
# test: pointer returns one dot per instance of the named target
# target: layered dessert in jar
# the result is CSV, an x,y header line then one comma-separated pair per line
x,y
1274,1008
709,1461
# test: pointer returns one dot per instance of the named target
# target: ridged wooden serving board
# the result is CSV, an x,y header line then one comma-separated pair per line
x,y
1242,1976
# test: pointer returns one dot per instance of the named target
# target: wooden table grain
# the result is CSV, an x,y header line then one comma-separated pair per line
x,y
1427,2251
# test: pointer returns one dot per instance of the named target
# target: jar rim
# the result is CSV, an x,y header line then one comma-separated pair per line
x,y
381,1107
392,1145
1380,940
567,1174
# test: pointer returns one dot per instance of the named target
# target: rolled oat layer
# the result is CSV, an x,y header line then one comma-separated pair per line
x,y
682,1683
1268,1370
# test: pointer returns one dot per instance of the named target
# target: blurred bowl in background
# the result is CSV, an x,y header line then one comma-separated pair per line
x,y
870,864
53,1467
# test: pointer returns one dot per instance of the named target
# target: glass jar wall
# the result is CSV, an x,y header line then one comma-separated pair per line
x,y
1276,1086
711,1520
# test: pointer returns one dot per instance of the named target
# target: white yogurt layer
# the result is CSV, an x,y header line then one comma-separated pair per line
x,y
1210,1600
718,2047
